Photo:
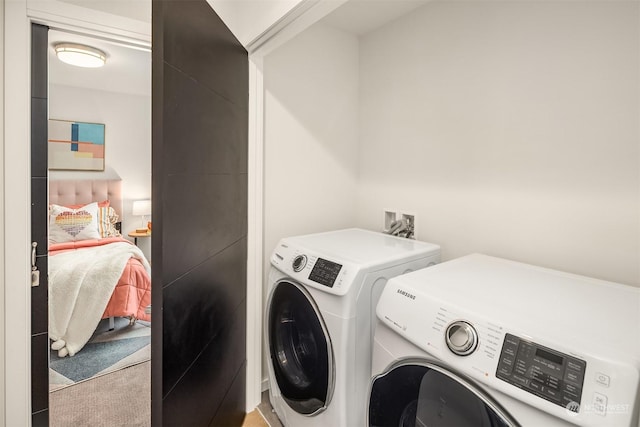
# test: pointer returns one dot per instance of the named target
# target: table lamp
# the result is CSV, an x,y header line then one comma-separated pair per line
x,y
142,208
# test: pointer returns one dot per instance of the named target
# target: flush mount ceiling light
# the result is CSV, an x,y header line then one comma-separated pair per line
x,y
80,55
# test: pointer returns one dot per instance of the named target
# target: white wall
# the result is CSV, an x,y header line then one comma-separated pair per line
x,y
311,135
127,120
311,151
2,278
510,128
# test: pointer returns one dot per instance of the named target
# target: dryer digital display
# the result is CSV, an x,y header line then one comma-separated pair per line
x,y
325,272
549,374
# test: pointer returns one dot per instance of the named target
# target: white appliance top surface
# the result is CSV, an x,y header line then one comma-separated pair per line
x,y
363,247
574,309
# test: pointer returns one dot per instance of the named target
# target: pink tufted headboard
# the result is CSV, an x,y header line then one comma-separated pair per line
x,y
73,191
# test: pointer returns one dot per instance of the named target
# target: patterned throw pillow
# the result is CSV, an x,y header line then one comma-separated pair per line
x,y
107,219
69,225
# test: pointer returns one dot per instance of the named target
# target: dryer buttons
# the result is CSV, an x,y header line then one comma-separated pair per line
x,y
299,262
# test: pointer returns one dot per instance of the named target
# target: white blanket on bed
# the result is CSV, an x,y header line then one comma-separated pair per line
x,y
80,285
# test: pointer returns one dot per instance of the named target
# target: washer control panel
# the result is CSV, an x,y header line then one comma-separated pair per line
x,y
549,374
325,272
314,269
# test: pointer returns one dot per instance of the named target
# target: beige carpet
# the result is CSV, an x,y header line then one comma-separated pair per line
x,y
123,399
119,399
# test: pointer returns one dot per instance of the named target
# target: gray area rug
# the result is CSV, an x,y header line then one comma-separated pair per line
x,y
107,351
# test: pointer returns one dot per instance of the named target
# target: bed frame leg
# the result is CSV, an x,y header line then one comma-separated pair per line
x,y
112,323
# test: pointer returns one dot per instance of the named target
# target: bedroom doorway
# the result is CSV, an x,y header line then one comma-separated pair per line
x,y
200,237
113,366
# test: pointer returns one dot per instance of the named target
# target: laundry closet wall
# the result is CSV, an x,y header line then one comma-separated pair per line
x,y
509,128
311,135
514,128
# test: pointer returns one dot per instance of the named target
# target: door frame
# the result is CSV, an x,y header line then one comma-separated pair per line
x,y
18,18
18,196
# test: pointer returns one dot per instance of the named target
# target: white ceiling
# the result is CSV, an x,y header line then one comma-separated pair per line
x,y
134,9
127,70
362,16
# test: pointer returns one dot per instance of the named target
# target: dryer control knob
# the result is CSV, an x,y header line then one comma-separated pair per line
x,y
299,262
461,338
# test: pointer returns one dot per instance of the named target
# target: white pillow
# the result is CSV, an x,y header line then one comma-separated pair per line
x,y
69,225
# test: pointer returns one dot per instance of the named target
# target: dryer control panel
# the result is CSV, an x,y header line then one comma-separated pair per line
x,y
549,374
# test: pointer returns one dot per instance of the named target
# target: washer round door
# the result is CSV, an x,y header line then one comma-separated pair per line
x,y
418,393
300,349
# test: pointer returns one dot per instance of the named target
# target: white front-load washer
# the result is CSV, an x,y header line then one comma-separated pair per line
x,y
323,290
483,341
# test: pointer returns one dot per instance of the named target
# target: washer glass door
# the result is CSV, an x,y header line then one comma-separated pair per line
x,y
417,394
300,349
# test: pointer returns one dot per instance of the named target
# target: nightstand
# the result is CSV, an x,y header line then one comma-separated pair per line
x,y
135,236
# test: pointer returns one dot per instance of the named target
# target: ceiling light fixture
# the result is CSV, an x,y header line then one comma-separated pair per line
x,y
80,55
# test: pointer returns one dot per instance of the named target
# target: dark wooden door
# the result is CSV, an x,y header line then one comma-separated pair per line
x,y
39,217
199,247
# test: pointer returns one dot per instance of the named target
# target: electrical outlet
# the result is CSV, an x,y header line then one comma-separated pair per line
x,y
388,219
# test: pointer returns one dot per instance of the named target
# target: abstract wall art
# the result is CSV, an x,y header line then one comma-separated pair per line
x,y
76,145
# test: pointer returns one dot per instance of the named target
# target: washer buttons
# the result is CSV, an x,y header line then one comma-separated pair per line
x,y
602,379
600,404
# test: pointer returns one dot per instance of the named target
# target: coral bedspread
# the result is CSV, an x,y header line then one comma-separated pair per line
x,y
129,296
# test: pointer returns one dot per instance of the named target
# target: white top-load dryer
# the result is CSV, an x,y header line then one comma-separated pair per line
x,y
483,341
323,289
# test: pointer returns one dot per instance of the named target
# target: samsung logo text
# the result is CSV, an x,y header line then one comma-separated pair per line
x,y
406,294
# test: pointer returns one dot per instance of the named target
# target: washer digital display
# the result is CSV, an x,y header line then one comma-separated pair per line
x,y
325,272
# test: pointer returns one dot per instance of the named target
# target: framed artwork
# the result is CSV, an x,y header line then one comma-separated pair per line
x,y
76,145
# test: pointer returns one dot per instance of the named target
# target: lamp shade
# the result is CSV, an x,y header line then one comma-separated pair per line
x,y
142,207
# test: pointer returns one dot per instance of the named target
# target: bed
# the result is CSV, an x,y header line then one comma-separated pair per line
x,y
94,273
